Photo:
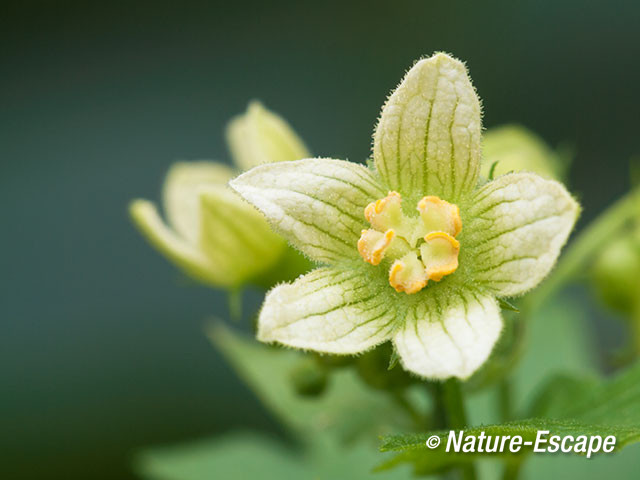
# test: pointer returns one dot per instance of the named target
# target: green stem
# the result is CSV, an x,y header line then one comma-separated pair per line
x,y
453,403
512,470
584,248
505,400
635,329
456,418
439,414
235,304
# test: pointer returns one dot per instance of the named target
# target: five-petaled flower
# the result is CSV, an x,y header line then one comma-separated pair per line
x,y
416,250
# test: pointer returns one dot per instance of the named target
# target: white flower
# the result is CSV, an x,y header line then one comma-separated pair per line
x,y
415,252
211,233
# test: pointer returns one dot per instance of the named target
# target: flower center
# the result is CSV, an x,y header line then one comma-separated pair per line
x,y
422,248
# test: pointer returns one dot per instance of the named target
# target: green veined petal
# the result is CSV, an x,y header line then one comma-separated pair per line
x,y
515,228
448,337
328,310
428,139
317,204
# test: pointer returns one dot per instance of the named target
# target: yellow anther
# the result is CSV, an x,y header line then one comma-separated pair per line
x,y
372,245
414,264
439,215
385,213
439,255
408,274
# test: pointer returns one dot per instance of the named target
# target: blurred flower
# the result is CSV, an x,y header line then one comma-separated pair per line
x,y
616,273
422,271
211,233
513,148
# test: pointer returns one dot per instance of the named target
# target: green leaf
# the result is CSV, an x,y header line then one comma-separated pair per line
x,y
505,305
623,464
250,456
492,170
238,456
426,461
346,409
393,360
557,342
560,393
611,408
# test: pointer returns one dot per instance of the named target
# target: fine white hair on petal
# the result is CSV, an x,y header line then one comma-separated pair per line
x,y
449,337
428,138
327,310
317,204
514,230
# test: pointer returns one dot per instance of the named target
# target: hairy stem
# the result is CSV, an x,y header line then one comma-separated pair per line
x,y
456,417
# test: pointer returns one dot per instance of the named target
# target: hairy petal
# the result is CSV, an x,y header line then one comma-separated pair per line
x,y
317,204
428,139
516,227
328,310
181,193
260,136
450,336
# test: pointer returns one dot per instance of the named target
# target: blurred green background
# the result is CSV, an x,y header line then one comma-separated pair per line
x,y
101,347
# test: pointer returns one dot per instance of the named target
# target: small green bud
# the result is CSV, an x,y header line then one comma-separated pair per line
x,y
373,367
616,273
512,148
260,136
308,377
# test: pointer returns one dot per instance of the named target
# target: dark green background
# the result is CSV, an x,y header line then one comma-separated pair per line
x,y
101,345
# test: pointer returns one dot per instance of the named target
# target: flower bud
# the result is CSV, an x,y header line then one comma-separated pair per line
x,y
616,273
309,378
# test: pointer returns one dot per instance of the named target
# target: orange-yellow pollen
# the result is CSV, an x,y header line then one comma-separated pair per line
x,y
372,245
421,248
437,212
408,275
445,259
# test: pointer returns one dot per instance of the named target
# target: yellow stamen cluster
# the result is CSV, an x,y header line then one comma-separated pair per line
x,y
422,248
